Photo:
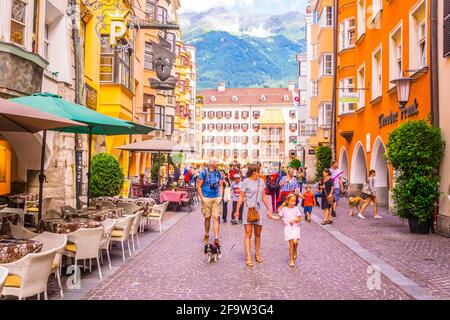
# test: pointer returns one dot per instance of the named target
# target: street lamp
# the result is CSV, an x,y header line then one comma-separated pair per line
x,y
403,90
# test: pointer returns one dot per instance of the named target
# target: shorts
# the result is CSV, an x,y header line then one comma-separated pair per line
x,y
211,207
366,196
337,194
307,209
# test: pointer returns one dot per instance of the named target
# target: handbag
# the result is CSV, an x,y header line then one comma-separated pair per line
x,y
253,214
226,194
330,199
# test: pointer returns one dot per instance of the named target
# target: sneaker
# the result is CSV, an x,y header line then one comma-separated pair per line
x,y
224,221
361,216
240,221
378,217
233,222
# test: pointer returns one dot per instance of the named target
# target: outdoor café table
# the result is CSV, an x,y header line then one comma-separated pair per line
x,y
12,249
67,226
173,196
98,215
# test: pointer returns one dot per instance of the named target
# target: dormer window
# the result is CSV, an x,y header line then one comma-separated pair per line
x,y
286,97
235,98
263,98
213,99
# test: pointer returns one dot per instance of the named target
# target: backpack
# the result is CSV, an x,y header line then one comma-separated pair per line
x,y
273,185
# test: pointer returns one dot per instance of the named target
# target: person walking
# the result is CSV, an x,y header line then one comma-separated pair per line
x,y
176,174
336,176
273,186
288,185
253,196
369,194
225,197
309,202
236,187
291,216
327,197
318,194
210,190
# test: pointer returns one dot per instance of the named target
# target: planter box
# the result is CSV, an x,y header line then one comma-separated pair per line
x,y
420,228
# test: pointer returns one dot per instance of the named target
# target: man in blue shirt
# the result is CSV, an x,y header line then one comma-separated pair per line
x,y
210,190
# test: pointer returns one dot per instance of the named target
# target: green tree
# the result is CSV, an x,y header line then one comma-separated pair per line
x,y
415,150
323,157
106,176
295,163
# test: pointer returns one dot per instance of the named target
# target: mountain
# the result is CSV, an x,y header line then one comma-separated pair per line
x,y
244,51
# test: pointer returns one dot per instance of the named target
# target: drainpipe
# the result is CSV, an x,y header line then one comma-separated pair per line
x,y
434,63
334,98
78,85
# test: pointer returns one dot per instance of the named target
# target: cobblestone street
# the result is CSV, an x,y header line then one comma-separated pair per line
x,y
174,267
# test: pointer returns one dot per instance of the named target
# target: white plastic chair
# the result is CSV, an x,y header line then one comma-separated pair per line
x,y
85,244
108,226
29,275
20,232
3,274
122,232
135,228
157,214
58,242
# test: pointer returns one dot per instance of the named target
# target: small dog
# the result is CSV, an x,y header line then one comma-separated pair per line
x,y
212,252
355,203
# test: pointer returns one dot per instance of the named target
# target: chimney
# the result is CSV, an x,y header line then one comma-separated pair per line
x,y
221,87
291,85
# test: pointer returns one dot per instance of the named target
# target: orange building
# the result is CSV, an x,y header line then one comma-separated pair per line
x,y
321,69
378,41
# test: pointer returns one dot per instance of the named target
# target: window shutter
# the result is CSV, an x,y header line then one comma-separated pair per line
x,y
446,28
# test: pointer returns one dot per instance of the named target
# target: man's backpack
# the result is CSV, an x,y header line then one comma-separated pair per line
x,y
273,185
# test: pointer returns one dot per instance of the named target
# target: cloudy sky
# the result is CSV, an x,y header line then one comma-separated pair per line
x,y
242,6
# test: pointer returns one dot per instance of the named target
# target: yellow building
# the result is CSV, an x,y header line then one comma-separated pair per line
x,y
182,92
321,68
109,76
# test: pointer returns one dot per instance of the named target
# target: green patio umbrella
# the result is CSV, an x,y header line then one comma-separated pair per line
x,y
96,122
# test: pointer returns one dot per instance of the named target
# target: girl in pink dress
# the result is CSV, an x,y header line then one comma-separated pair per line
x,y
291,216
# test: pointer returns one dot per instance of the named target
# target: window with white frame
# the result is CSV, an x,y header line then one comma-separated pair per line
x,y
395,55
18,21
326,64
326,17
361,17
347,94
418,37
315,51
106,64
361,86
377,73
302,68
148,58
347,36
325,115
377,6
303,97
314,88
46,42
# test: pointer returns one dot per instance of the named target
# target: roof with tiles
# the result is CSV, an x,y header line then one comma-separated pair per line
x,y
247,96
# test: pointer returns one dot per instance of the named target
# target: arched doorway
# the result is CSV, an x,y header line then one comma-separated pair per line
x,y
358,172
380,165
343,162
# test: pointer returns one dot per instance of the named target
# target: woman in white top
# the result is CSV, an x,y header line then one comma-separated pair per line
x,y
369,194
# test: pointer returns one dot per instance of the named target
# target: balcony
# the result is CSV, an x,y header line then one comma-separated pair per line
x,y
272,138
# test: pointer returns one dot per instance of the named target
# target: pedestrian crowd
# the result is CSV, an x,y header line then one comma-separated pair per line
x,y
257,192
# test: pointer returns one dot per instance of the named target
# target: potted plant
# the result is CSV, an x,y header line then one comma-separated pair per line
x,y
415,150
106,176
